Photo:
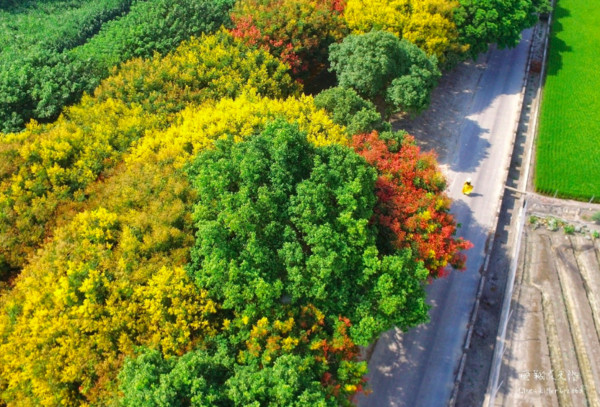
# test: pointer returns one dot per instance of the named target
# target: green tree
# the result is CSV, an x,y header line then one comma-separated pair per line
x,y
394,74
296,362
348,109
287,382
481,22
282,222
195,379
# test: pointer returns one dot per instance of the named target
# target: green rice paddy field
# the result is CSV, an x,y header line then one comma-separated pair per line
x,y
568,147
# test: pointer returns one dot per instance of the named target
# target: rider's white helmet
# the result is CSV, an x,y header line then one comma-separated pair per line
x,y
469,180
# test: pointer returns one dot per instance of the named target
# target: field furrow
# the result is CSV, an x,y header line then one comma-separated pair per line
x,y
581,324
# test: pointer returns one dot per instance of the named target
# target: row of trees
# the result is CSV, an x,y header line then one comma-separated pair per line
x,y
429,24
37,82
29,27
51,164
447,28
48,68
111,277
299,31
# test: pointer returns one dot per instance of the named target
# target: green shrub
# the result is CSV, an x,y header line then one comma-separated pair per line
x,y
394,74
348,109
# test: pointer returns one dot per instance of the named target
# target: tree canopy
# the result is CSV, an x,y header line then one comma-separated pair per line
x,y
482,22
112,278
348,109
283,222
394,74
50,164
413,210
197,231
298,32
302,360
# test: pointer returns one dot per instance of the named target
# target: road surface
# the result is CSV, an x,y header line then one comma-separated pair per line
x,y
418,368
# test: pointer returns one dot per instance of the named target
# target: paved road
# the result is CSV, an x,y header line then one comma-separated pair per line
x,y
418,368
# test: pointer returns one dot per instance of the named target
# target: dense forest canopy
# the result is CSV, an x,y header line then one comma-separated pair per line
x,y
181,224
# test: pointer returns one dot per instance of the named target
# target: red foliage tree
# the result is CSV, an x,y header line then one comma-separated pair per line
x,y
412,206
298,32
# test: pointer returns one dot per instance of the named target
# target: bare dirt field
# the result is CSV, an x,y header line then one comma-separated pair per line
x,y
552,353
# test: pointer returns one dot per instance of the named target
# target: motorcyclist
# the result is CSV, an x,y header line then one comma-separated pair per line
x,y
467,187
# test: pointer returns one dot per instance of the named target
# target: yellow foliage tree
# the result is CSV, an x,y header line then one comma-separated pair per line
x,y
49,165
112,278
206,68
365,15
73,315
198,127
428,24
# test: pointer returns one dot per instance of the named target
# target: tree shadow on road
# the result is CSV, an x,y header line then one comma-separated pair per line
x,y
461,97
472,389
495,81
404,366
458,159
473,150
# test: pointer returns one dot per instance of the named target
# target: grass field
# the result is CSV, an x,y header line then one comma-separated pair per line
x,y
568,147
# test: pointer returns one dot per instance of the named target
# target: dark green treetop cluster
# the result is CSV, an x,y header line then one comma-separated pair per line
x,y
394,74
283,222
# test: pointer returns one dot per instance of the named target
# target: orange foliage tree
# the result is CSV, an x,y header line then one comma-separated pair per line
x,y
412,206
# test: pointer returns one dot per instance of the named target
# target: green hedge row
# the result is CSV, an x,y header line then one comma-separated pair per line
x,y
40,85
29,28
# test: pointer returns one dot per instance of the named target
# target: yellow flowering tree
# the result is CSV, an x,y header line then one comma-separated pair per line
x,y
75,311
49,165
112,278
198,127
429,24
